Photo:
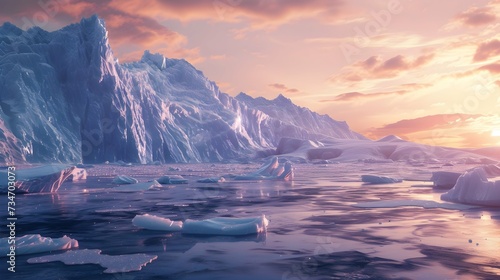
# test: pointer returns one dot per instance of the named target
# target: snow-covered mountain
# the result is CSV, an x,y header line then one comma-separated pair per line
x,y
65,98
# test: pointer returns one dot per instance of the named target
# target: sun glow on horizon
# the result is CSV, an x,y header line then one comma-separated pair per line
x,y
495,133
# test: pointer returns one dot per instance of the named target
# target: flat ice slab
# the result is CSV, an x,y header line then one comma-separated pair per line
x,y
226,226
124,179
473,187
214,226
172,179
373,179
113,264
153,222
46,178
212,180
137,187
35,243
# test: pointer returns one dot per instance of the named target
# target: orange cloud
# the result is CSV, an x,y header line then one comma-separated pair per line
x,y
375,68
427,123
487,50
130,33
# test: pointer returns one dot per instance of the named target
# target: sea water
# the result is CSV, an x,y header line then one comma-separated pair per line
x,y
316,230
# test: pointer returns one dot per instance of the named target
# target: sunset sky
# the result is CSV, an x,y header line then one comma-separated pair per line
x,y
428,71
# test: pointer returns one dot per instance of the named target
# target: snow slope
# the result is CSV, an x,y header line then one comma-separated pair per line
x,y
66,98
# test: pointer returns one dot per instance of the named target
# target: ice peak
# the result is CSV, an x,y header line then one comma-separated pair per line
x,y
94,27
157,59
391,138
282,99
9,28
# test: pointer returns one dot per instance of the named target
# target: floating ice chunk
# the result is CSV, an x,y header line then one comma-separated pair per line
x,y
174,169
444,179
428,204
268,167
153,222
271,169
373,179
113,264
35,243
473,187
138,187
48,178
78,174
212,180
226,226
124,179
172,179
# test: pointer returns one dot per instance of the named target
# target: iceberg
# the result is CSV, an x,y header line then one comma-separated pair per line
x,y
153,222
124,179
172,179
113,264
138,112
226,226
48,178
35,243
137,187
473,187
373,179
272,169
445,179
78,174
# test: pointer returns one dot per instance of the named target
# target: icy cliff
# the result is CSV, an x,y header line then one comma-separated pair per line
x,y
66,98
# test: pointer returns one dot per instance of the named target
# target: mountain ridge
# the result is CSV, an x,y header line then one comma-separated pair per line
x,y
66,98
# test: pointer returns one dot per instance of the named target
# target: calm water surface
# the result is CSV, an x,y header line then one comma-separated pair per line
x,y
315,231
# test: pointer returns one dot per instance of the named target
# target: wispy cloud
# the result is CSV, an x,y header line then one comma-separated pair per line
x,y
377,68
283,88
486,50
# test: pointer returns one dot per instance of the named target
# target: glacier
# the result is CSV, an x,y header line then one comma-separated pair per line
x,y
66,98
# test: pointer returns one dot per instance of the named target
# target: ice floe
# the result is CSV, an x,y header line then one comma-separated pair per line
x,y
271,169
113,264
473,187
124,179
172,179
214,226
373,179
428,204
138,187
35,243
78,174
153,222
226,226
212,180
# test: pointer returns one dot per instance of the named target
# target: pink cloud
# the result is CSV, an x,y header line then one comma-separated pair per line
x,y
376,68
493,68
283,88
426,123
401,90
477,16
487,50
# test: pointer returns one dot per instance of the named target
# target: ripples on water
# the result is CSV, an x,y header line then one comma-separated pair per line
x,y
315,232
